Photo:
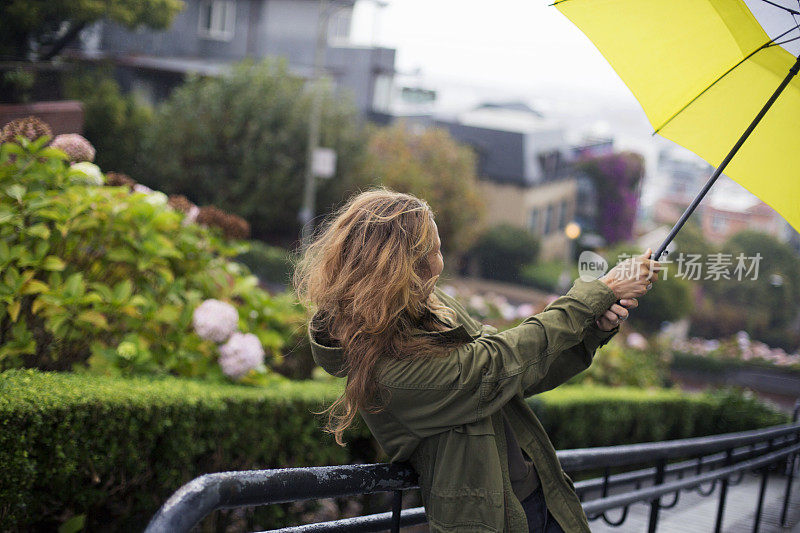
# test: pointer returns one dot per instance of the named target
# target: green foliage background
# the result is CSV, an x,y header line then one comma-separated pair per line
x,y
114,449
115,123
503,250
239,142
86,268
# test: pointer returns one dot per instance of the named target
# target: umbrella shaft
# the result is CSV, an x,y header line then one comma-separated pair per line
x,y
689,210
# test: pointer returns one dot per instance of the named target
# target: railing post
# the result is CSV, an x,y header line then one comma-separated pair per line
x,y
723,493
655,505
397,507
762,490
790,473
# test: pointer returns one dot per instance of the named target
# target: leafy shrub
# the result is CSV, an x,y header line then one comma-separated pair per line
x,y
115,123
270,263
431,165
503,250
583,416
765,307
670,298
546,276
618,365
89,269
239,142
114,449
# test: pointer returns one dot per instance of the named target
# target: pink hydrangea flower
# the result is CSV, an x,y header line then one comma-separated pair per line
x,y
214,320
243,352
75,146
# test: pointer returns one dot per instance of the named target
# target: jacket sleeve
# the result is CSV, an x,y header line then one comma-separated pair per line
x,y
572,361
476,379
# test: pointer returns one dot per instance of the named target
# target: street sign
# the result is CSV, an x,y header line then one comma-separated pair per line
x,y
323,162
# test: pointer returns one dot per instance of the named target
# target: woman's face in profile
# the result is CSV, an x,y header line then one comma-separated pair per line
x,y
435,259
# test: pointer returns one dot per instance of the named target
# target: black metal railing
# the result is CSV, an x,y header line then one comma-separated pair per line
x,y
671,467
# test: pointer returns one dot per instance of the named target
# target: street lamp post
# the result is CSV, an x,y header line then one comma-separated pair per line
x,y
309,190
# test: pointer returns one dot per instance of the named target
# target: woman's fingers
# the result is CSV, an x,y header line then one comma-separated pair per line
x,y
605,324
629,303
620,311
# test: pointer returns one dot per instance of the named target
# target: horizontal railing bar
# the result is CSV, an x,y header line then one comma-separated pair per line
x,y
587,458
189,504
361,524
627,478
650,493
210,492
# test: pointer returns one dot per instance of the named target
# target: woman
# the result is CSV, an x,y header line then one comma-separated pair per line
x,y
435,387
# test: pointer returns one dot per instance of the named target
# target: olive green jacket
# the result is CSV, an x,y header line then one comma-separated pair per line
x,y
443,414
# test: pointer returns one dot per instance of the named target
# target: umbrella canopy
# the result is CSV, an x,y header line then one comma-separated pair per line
x,y
702,70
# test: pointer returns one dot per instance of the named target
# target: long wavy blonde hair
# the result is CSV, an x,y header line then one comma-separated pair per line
x,y
366,281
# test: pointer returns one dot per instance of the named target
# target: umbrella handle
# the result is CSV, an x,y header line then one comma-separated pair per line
x,y
689,210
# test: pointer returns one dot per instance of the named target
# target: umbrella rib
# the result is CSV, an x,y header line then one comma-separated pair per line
x,y
693,100
790,10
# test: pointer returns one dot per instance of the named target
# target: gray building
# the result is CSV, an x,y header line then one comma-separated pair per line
x,y
524,165
209,35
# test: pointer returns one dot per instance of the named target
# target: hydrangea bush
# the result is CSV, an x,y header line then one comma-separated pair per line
x,y
105,279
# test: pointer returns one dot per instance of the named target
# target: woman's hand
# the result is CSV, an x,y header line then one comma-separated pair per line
x,y
632,277
616,313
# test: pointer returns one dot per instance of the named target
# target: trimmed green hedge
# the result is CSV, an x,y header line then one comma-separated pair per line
x,y
114,449
584,416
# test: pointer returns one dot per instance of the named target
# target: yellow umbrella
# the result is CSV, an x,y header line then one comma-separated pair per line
x,y
702,71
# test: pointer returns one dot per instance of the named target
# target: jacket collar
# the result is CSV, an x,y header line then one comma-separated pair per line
x,y
331,357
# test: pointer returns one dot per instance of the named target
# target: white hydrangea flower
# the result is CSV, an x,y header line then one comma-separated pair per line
x,y
214,320
85,172
191,216
243,352
75,146
157,198
144,189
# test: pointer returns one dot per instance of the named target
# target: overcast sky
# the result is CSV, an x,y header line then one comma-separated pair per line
x,y
510,44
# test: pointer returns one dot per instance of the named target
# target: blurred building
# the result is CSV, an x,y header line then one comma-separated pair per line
x,y
727,209
209,35
679,177
525,171
730,208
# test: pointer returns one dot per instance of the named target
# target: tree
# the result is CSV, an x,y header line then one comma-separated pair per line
x,y
239,142
44,27
616,178
763,304
670,299
431,165
503,250
114,123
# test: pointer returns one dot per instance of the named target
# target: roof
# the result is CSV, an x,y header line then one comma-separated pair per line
x,y
501,154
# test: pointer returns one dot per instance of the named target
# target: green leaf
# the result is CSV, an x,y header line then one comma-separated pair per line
x,y
54,153
74,286
39,230
123,290
74,524
13,310
16,191
35,286
94,318
51,262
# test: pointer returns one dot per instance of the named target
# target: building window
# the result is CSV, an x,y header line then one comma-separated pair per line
x,y
548,219
719,223
533,221
551,164
339,27
217,19
382,93
562,215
